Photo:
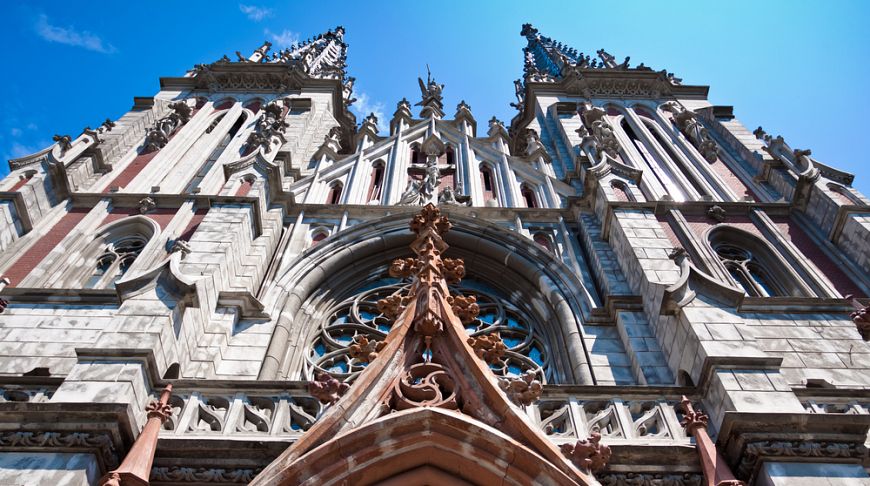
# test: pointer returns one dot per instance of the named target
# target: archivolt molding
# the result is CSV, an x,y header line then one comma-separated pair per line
x,y
488,249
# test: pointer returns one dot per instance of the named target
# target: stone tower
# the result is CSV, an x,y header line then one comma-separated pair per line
x,y
314,301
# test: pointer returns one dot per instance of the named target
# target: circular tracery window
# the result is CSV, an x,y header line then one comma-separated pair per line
x,y
330,348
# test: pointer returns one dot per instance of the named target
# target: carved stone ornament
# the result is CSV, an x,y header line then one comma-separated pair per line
x,y
365,349
795,451
489,347
455,197
523,390
146,204
62,440
64,142
692,419
590,454
425,385
179,474
688,123
327,389
392,305
861,318
158,136
180,246
465,307
717,213
270,124
651,479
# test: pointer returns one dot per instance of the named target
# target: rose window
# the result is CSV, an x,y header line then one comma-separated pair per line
x,y
357,320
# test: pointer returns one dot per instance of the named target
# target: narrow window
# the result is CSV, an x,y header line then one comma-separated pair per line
x,y
317,237
415,154
451,156
377,181
488,183
334,195
245,187
544,240
529,196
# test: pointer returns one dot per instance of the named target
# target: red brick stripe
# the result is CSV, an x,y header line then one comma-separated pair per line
x,y
34,256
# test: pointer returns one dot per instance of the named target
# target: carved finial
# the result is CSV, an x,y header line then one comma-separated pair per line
x,y
677,254
523,390
327,389
430,218
590,454
692,419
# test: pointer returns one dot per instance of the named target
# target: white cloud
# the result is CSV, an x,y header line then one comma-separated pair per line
x,y
365,106
283,40
20,150
254,12
71,37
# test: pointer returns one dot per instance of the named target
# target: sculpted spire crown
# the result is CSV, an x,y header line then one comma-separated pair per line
x,y
432,100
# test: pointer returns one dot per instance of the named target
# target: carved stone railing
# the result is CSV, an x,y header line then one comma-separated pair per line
x,y
567,419
205,413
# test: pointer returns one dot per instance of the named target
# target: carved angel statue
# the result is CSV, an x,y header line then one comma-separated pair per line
x,y
431,91
520,94
450,196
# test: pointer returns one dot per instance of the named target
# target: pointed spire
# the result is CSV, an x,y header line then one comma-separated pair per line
x,y
402,115
548,60
135,470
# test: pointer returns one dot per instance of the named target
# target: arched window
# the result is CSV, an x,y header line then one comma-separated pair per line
x,y
334,195
377,181
358,316
245,187
114,261
318,236
529,196
677,161
216,153
451,155
621,191
843,195
487,181
543,239
753,264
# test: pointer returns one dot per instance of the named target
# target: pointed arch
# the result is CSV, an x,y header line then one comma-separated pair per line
x,y
362,457
109,256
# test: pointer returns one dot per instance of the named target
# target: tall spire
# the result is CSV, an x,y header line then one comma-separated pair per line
x,y
547,59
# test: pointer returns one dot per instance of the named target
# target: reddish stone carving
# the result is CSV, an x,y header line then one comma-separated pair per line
x,y
523,390
590,454
425,385
326,388
392,306
136,467
716,471
465,307
453,269
861,318
430,219
365,349
403,267
488,347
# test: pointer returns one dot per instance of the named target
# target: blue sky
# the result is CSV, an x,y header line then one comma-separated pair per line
x,y
798,68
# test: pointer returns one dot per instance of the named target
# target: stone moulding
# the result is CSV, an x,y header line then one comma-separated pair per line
x,y
179,474
748,439
692,281
99,443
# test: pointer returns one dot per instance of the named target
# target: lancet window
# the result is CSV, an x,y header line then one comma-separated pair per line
x,y
752,264
358,317
529,196
377,182
487,181
334,196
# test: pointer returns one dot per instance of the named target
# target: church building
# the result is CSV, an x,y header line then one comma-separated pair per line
x,y
238,282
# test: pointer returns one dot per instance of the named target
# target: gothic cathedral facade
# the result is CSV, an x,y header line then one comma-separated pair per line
x,y
236,282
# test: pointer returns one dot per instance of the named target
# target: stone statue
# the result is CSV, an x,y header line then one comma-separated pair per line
x,y
431,91
449,195
411,195
431,181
